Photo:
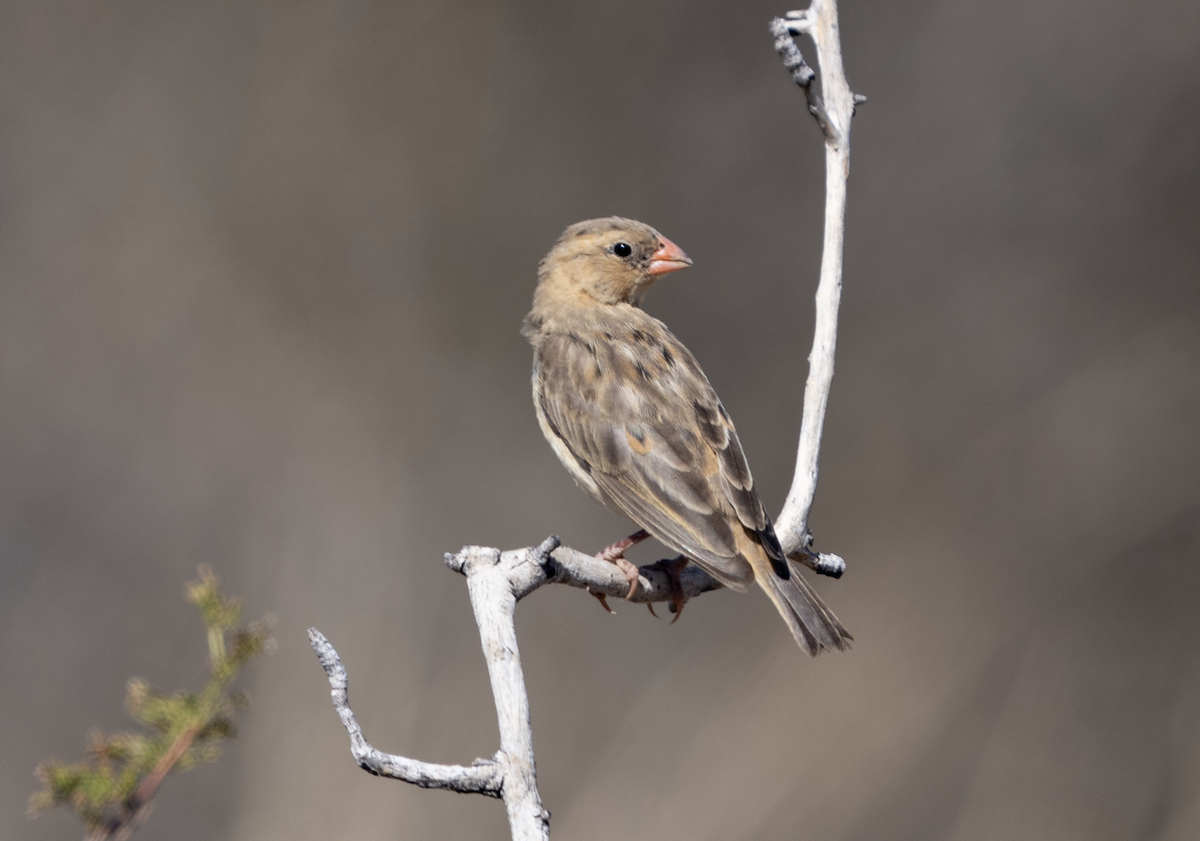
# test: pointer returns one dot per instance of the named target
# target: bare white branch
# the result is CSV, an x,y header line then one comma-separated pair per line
x,y
494,598
483,777
551,563
497,580
820,23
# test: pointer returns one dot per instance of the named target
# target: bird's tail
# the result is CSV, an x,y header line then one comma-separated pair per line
x,y
813,625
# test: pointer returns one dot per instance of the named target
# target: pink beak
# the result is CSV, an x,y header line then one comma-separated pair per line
x,y
668,258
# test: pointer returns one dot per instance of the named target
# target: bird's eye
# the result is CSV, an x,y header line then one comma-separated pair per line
x,y
622,249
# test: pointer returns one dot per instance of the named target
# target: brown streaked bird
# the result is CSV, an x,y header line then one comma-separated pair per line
x,y
633,418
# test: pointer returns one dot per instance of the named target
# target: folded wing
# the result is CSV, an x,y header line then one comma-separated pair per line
x,y
640,416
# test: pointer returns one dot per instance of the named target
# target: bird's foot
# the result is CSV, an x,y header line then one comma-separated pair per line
x,y
676,600
615,554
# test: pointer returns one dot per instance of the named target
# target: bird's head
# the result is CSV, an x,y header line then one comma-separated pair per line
x,y
608,261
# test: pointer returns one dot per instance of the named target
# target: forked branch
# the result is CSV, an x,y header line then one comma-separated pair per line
x,y
497,580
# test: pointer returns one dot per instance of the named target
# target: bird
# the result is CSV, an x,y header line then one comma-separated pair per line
x,y
628,411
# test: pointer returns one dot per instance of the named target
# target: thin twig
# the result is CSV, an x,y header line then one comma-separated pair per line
x,y
483,777
802,74
134,813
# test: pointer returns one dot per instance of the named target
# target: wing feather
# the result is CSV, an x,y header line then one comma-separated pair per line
x,y
636,410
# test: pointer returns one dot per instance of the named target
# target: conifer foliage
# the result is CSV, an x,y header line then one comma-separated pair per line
x,y
112,790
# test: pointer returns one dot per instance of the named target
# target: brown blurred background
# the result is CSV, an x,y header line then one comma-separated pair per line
x,y
262,266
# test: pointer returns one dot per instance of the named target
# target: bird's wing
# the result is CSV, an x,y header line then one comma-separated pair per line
x,y
737,483
639,414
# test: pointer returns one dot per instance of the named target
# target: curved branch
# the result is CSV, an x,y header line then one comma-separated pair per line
x,y
820,23
483,777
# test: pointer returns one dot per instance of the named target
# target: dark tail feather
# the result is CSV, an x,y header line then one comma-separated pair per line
x,y
813,625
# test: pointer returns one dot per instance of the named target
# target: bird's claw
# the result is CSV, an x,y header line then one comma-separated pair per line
x,y
631,575
602,598
615,554
676,599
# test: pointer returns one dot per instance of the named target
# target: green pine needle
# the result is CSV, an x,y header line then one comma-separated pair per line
x,y
110,790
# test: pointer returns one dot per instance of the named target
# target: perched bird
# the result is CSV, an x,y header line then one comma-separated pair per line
x,y
633,418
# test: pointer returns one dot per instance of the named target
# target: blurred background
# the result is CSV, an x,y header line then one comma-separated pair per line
x,y
262,267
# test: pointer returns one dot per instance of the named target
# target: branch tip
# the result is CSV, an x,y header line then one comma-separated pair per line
x,y
832,565
799,21
802,74
547,546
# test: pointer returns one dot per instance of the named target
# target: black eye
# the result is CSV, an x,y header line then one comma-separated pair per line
x,y
622,249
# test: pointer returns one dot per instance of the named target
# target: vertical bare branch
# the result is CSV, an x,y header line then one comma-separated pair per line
x,y
493,600
833,112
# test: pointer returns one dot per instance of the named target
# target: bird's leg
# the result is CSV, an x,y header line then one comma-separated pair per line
x,y
617,550
615,554
676,600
